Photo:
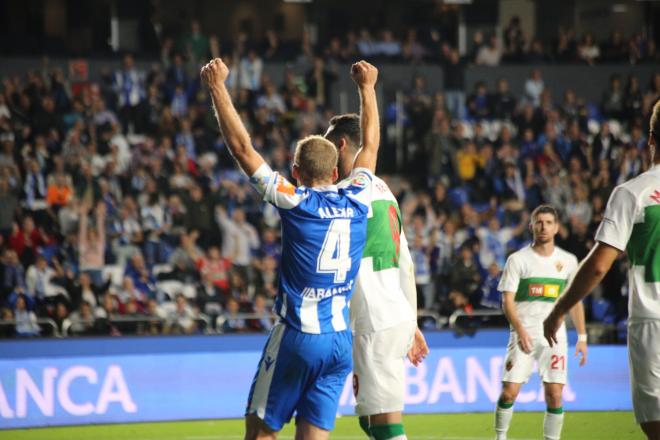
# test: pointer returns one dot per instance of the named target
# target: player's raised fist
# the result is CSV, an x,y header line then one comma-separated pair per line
x,y
214,73
364,74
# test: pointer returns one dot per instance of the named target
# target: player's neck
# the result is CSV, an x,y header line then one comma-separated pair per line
x,y
544,249
317,183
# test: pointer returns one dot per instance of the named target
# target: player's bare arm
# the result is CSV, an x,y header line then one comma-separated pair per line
x,y
509,307
365,76
236,136
589,274
419,349
577,316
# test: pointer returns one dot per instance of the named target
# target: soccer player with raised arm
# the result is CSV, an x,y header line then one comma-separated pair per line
x,y
384,304
308,354
532,280
631,224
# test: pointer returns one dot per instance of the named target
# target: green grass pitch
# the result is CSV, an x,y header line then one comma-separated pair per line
x,y
525,426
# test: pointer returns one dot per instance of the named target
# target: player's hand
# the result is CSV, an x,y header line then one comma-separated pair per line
x,y
364,74
525,341
551,326
214,73
419,348
581,351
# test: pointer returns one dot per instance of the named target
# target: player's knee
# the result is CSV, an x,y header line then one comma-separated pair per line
x,y
508,395
256,429
553,396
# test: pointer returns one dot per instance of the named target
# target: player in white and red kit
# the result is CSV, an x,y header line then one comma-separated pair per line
x,y
384,304
532,280
631,223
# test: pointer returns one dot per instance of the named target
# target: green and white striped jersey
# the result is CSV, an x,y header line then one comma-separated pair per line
x,y
537,282
385,285
632,223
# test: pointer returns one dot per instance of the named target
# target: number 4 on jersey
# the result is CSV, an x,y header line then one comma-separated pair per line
x,y
334,257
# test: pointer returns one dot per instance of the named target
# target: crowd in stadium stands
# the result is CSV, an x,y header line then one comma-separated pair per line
x,y
122,212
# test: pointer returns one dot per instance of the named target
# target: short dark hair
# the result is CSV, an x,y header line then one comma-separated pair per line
x,y
346,126
545,209
655,121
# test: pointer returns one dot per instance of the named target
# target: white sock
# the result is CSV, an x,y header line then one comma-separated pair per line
x,y
552,424
502,421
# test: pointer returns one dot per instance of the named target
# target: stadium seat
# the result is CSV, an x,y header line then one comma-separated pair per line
x,y
170,287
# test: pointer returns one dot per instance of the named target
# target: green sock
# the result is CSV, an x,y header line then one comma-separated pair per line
x,y
502,404
385,432
364,424
559,410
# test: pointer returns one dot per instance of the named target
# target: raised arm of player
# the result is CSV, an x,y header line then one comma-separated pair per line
x,y
365,76
236,136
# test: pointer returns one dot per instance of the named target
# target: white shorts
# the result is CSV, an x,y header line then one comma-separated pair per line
x,y
644,360
379,369
552,361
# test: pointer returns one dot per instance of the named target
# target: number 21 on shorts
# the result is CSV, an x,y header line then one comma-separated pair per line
x,y
555,362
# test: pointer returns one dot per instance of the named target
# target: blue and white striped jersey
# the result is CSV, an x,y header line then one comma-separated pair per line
x,y
323,235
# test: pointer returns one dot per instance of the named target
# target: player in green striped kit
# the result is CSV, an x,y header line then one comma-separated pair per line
x,y
631,223
384,303
532,281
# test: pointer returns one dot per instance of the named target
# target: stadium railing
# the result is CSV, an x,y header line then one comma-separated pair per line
x,y
220,320
48,323
476,318
132,325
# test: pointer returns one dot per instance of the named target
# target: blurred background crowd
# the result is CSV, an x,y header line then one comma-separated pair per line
x,y
121,211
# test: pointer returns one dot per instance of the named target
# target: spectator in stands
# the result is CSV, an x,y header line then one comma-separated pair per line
x,y
8,208
26,240
26,320
92,242
142,277
613,99
514,40
39,281
59,192
263,322
240,239
82,321
250,70
491,298
129,86
233,323
210,299
412,50
588,50
7,330
199,216
196,44
490,54
615,51
495,240
478,103
155,311
503,102
454,81
182,319
319,82
534,87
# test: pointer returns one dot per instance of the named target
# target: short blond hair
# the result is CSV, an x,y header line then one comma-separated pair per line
x,y
316,158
